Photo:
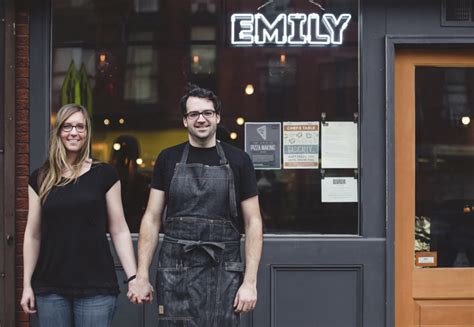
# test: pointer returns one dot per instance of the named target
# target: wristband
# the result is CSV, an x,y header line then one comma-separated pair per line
x,y
130,279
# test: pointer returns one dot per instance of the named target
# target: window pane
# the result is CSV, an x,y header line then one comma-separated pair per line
x,y
137,56
444,167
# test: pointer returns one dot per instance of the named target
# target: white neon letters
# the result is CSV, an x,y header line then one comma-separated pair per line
x,y
294,29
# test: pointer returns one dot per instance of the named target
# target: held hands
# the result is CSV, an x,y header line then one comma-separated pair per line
x,y
28,300
246,298
140,291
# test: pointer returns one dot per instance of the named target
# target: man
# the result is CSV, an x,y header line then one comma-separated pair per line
x,y
210,193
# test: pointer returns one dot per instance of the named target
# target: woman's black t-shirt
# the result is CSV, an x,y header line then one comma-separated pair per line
x,y
74,257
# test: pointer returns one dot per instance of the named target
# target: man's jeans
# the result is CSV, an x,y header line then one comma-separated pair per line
x,y
60,311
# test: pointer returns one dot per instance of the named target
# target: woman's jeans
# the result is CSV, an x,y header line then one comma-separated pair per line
x,y
61,311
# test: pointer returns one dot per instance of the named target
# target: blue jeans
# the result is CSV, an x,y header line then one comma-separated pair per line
x,y
60,311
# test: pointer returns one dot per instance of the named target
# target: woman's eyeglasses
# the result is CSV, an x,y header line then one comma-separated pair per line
x,y
80,128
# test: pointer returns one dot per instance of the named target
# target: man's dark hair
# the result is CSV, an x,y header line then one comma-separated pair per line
x,y
199,92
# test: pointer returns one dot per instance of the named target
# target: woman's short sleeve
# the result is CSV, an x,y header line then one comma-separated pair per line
x,y
33,181
109,176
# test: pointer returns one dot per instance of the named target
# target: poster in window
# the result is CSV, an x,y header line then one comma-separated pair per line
x,y
339,189
301,145
339,144
263,144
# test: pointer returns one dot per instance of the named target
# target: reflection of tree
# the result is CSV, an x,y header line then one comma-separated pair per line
x,y
422,233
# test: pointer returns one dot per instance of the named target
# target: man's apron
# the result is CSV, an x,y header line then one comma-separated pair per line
x,y
199,264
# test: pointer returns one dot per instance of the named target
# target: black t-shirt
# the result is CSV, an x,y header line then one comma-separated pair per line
x,y
75,257
240,163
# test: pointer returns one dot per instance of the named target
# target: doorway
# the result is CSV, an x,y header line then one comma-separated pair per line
x,y
434,188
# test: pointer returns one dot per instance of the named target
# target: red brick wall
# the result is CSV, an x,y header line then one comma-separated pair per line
x,y
22,72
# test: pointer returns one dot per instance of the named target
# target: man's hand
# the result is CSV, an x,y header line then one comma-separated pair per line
x,y
140,291
246,298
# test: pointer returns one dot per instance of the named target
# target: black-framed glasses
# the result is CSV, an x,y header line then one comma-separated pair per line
x,y
80,128
207,114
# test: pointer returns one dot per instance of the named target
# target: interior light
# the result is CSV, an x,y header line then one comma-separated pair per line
x,y
249,89
102,58
282,59
465,120
106,122
117,146
196,59
233,136
121,121
240,120
139,161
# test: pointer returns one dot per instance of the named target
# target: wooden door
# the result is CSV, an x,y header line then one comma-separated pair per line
x,y
431,296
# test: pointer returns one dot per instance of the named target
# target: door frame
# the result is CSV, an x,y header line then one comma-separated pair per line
x,y
392,43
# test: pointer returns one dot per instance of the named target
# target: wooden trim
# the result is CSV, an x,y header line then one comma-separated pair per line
x,y
432,284
404,185
9,295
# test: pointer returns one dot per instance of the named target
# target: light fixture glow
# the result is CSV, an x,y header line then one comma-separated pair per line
x,y
106,122
233,136
240,121
196,59
121,121
249,89
282,59
102,58
139,161
117,146
465,120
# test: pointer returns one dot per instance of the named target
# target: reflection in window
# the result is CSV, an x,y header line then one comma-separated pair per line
x,y
444,166
141,75
139,56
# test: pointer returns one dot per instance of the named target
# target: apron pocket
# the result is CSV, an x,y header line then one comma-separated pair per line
x,y
172,295
234,266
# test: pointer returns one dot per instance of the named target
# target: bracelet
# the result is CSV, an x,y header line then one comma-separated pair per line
x,y
130,279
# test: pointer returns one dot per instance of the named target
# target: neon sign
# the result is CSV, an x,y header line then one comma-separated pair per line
x,y
292,29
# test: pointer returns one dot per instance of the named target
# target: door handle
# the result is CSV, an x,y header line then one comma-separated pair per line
x,y
9,239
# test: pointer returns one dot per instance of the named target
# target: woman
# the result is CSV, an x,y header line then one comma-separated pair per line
x,y
69,276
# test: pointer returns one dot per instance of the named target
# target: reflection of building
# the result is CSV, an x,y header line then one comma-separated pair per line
x,y
325,262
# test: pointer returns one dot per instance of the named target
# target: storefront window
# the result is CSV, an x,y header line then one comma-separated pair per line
x,y
134,58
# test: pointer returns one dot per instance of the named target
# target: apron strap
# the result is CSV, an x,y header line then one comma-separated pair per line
x,y
220,152
184,156
209,247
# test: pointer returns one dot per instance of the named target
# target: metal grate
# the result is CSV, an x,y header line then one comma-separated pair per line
x,y
457,13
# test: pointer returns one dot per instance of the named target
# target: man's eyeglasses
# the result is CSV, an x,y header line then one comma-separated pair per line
x,y
80,128
193,115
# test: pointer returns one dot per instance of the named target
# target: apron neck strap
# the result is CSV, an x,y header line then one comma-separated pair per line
x,y
220,152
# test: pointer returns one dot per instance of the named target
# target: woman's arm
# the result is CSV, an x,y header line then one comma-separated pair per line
x,y
119,231
31,246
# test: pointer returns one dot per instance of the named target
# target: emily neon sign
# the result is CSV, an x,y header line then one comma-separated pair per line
x,y
293,29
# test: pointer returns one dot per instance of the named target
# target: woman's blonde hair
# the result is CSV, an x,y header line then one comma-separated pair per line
x,y
50,174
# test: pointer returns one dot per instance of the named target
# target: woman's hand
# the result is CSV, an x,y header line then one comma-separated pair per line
x,y
28,300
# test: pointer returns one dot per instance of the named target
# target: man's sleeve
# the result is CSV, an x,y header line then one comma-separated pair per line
x,y
158,179
248,182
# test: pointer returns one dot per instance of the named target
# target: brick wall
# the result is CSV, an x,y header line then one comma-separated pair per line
x,y
21,146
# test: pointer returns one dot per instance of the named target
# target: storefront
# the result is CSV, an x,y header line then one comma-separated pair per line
x,y
356,115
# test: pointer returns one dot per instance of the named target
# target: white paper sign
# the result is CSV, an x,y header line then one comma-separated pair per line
x,y
301,145
339,145
339,189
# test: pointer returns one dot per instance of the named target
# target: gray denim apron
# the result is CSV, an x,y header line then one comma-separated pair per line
x,y
199,264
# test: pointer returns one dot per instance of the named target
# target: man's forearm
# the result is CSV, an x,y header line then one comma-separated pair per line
x,y
253,249
147,243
